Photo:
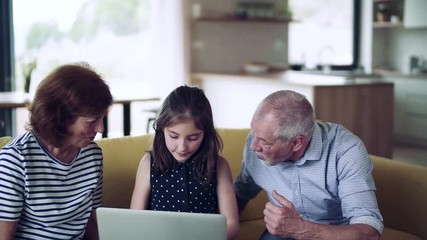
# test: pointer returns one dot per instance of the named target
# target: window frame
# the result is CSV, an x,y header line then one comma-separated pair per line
x,y
356,44
356,40
7,123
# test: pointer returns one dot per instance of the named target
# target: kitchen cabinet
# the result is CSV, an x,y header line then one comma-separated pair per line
x,y
226,35
415,13
364,106
225,44
399,13
388,13
410,109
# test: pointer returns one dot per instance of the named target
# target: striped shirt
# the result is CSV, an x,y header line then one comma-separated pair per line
x,y
331,184
50,199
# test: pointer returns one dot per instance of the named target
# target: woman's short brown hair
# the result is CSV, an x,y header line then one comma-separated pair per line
x,y
69,91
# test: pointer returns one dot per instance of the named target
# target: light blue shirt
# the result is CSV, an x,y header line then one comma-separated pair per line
x,y
331,184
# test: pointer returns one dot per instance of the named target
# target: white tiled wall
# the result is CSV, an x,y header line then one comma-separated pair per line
x,y
393,47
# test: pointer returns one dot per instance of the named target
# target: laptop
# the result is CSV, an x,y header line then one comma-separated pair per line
x,y
129,224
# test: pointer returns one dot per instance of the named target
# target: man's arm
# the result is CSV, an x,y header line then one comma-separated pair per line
x,y
284,221
354,231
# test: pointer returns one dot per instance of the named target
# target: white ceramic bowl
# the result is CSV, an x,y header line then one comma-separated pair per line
x,y
256,67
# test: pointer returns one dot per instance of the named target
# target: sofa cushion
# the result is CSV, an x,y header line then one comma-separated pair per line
x,y
392,234
121,159
234,142
251,229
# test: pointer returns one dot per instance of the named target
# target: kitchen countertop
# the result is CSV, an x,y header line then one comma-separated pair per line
x,y
318,78
377,73
387,73
300,78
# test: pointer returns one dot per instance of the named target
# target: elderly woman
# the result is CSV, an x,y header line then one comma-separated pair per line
x,y
51,176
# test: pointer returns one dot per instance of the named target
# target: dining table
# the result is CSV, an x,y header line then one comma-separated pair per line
x,y
14,100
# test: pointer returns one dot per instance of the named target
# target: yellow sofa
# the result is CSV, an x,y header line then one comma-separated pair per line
x,y
402,188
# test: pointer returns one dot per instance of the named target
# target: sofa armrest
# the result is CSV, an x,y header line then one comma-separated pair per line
x,y
402,195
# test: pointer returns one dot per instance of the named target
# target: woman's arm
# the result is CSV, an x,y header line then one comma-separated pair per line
x,y
7,230
141,191
226,198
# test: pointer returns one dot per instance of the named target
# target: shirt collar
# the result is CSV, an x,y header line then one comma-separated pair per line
x,y
314,149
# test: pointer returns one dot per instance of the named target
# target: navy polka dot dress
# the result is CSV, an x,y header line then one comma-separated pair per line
x,y
180,191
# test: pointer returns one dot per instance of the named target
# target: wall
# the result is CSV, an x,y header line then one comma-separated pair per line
x,y
226,46
404,43
393,47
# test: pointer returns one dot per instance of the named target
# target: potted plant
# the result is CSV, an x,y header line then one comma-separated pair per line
x,y
27,69
383,12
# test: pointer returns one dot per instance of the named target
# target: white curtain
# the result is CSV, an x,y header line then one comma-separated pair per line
x,y
168,56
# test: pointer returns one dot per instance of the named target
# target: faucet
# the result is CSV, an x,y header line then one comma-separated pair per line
x,y
417,64
325,57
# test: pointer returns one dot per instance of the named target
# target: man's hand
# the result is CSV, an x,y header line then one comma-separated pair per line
x,y
284,220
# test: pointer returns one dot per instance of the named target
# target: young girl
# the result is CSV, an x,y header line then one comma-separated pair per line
x,y
184,171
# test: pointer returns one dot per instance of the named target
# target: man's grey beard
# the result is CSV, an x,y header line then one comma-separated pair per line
x,y
268,163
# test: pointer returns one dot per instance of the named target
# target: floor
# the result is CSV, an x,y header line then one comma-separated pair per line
x,y
411,154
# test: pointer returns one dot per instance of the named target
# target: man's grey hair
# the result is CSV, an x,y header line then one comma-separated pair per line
x,y
291,110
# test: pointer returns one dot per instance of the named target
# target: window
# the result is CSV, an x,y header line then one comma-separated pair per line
x,y
109,34
122,40
324,33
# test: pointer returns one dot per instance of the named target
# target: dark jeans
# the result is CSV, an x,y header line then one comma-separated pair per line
x,y
267,236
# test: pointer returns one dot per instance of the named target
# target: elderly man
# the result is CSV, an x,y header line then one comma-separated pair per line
x,y
318,176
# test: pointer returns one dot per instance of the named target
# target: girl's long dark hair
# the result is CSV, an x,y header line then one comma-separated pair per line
x,y
182,104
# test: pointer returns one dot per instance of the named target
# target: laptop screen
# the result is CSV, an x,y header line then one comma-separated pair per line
x,y
124,224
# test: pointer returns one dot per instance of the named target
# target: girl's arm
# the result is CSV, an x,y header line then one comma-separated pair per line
x,y
7,230
141,191
91,232
226,198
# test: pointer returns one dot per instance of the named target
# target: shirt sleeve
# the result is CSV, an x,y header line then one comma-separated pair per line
x,y
357,188
12,184
98,190
97,195
244,185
